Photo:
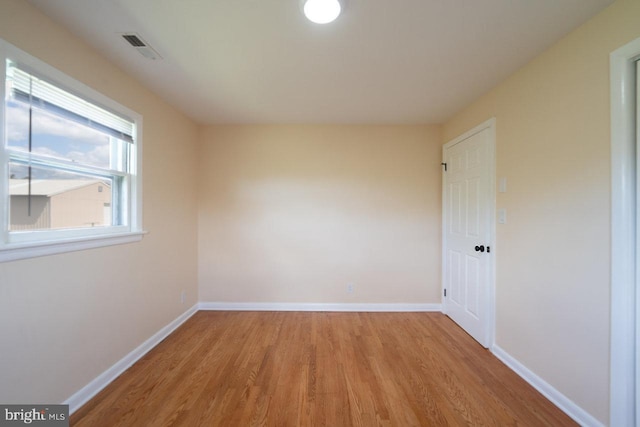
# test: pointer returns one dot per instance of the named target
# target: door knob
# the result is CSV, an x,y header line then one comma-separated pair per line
x,y
480,248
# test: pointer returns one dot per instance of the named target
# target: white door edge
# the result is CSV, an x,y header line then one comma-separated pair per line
x,y
625,333
491,304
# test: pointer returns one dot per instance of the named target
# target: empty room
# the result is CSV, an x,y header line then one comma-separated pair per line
x,y
319,212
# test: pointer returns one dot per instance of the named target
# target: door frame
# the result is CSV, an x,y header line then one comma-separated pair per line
x,y
491,264
625,217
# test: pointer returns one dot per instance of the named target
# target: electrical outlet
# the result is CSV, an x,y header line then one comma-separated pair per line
x,y
350,288
183,296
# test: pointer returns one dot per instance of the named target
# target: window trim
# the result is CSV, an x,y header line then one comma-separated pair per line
x,y
61,241
17,251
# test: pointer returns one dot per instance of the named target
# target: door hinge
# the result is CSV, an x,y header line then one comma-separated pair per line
x,y
445,292
445,166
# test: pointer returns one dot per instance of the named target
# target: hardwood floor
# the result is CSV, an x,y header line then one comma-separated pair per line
x,y
319,369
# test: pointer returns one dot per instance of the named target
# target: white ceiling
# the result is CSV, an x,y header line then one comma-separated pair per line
x,y
382,61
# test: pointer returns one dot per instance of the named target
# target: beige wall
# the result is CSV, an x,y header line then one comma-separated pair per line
x,y
553,265
296,213
64,319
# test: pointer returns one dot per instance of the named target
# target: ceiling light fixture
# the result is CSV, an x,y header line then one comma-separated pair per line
x,y
321,11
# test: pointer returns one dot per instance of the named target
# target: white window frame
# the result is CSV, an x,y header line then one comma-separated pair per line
x,y
14,246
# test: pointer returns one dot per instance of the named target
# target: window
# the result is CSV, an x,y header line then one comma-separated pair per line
x,y
70,163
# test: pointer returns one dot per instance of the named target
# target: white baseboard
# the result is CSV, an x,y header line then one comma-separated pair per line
x,y
94,387
268,306
83,395
578,414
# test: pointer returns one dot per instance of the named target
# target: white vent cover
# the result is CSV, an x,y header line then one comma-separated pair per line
x,y
141,46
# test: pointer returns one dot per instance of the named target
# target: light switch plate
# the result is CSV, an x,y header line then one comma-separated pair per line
x,y
502,185
502,216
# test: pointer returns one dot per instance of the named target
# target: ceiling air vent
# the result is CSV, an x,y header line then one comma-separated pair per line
x,y
141,46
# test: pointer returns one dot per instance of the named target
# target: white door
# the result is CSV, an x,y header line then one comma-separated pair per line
x,y
468,215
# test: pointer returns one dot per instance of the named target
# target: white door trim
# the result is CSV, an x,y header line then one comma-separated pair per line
x,y
624,217
491,126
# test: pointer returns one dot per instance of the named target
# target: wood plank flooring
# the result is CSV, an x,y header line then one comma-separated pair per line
x,y
319,369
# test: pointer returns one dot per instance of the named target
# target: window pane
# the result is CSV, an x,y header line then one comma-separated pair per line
x,y
57,137
17,120
33,90
46,199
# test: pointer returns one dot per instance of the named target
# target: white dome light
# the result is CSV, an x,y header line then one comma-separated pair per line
x,y
322,11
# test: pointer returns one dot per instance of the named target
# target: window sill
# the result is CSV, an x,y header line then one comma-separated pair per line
x,y
17,251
